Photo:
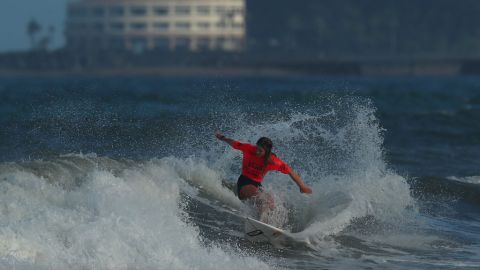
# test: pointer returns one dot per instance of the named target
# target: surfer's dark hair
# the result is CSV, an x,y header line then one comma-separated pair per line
x,y
267,145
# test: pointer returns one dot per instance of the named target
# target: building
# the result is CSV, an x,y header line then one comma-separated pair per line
x,y
167,25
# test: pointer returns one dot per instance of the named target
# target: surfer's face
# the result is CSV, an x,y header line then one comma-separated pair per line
x,y
260,151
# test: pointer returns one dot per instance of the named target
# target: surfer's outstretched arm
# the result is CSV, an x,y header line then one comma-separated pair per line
x,y
221,137
298,180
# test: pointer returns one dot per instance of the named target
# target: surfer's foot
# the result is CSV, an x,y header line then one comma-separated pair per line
x,y
266,211
264,217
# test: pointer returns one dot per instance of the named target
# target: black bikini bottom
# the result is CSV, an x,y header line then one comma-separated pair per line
x,y
243,181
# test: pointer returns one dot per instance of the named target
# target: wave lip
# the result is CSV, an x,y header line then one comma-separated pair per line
x,y
448,190
475,179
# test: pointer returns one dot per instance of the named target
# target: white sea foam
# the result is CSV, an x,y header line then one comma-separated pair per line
x,y
474,179
128,218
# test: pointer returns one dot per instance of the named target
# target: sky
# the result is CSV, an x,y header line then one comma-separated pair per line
x,y
15,15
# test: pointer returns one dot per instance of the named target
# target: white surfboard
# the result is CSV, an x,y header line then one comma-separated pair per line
x,y
257,231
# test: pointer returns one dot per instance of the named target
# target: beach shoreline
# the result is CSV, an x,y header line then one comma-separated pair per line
x,y
156,71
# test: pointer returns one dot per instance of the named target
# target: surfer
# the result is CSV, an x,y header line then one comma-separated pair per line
x,y
257,161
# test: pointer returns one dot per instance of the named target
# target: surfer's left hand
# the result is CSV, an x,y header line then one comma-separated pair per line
x,y
219,135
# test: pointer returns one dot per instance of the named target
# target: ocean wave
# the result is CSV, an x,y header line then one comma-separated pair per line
x,y
451,188
475,179
70,208
83,211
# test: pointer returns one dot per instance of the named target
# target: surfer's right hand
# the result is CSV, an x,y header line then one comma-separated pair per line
x,y
306,190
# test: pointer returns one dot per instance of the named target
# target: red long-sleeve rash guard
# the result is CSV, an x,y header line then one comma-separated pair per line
x,y
253,166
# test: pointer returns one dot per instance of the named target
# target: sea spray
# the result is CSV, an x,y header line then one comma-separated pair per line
x,y
338,150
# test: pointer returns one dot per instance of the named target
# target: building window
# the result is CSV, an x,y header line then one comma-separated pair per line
x,y
77,12
70,26
98,12
80,43
77,26
162,43
161,11
237,10
203,25
182,25
139,45
220,10
237,42
73,26
203,44
203,10
116,43
117,11
182,10
82,26
138,26
96,43
161,26
182,43
138,11
70,41
237,25
98,27
227,43
221,24
118,26
221,42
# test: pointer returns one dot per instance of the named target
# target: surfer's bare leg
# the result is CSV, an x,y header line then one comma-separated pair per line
x,y
267,201
252,192
248,191
263,200
266,204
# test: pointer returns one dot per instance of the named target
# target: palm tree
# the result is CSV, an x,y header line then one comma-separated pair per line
x,y
33,27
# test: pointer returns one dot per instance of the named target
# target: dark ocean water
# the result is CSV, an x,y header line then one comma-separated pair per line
x,y
125,173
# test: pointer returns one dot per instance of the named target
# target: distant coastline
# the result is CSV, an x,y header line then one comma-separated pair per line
x,y
149,71
366,70
61,63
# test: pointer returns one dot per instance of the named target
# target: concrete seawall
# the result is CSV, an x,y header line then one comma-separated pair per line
x,y
64,63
